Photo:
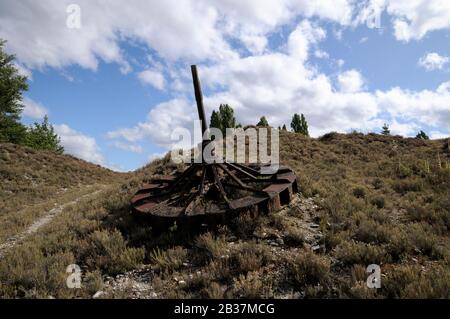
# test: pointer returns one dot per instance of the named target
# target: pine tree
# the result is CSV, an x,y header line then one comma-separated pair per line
x,y
299,124
263,122
43,137
296,123
223,119
304,125
227,117
385,130
215,120
11,87
422,135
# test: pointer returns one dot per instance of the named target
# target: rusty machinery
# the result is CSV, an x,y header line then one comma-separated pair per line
x,y
212,193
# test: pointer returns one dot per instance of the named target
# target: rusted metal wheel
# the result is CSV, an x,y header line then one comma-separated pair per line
x,y
213,194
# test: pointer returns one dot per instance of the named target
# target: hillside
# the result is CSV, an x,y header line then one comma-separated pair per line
x,y
365,199
30,176
34,182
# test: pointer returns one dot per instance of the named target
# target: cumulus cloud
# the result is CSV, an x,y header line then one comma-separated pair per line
x,y
128,147
33,109
430,107
412,20
274,83
79,145
433,61
302,38
153,78
350,81
38,35
403,129
161,122
437,135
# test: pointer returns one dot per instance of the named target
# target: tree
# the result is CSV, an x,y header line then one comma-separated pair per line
x,y
223,119
263,122
11,87
43,137
422,135
299,124
385,130
284,127
215,120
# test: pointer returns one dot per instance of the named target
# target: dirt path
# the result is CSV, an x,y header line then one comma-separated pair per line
x,y
11,242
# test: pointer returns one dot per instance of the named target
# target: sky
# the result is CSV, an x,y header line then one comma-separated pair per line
x,y
114,76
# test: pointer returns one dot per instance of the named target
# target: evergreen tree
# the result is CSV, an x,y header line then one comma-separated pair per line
x,y
43,137
299,124
215,120
223,119
11,87
263,122
385,130
304,126
284,127
227,117
422,135
295,123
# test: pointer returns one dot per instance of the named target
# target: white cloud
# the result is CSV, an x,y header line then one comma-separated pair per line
x,y
426,106
301,39
155,156
433,61
161,122
412,20
200,32
128,147
363,40
403,129
279,81
33,109
350,81
24,71
321,54
153,78
437,135
79,145
39,37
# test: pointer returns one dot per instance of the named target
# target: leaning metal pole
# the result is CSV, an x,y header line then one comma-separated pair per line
x,y
199,98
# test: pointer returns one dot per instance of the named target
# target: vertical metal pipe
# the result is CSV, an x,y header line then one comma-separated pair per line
x,y
199,98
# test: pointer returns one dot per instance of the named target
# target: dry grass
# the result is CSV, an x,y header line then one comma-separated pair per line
x,y
383,200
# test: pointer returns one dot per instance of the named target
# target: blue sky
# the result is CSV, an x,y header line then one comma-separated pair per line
x,y
116,87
